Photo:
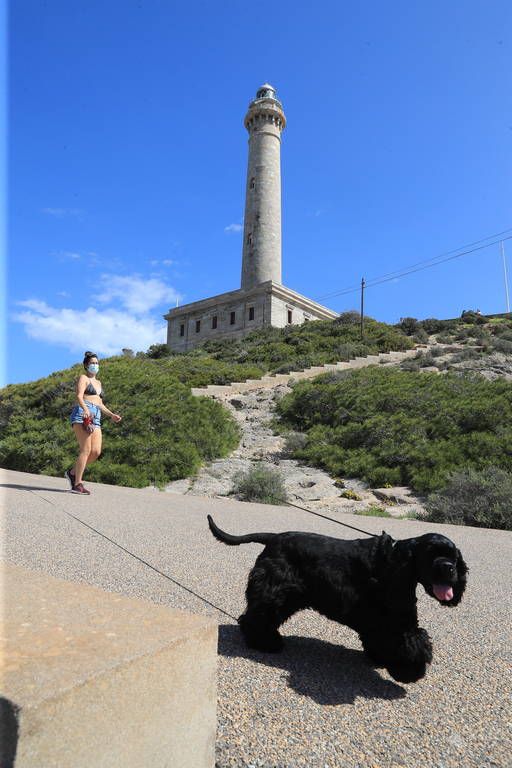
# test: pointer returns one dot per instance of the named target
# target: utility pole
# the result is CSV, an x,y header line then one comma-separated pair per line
x,y
362,306
505,274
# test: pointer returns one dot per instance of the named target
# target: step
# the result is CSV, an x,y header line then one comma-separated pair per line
x,y
93,678
271,380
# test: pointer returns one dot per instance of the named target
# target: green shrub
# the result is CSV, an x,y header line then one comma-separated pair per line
x,y
315,343
373,511
387,425
295,442
466,354
350,494
410,365
409,325
352,317
261,484
474,497
503,345
445,338
165,434
420,336
431,325
157,351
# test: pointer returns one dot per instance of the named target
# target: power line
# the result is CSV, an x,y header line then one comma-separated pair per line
x,y
425,264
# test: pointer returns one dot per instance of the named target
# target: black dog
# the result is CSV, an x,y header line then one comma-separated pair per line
x,y
367,584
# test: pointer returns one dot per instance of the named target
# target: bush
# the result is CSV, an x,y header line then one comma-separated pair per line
x,y
156,351
352,317
295,442
503,345
386,425
260,483
373,511
165,434
433,325
421,336
474,497
350,494
409,325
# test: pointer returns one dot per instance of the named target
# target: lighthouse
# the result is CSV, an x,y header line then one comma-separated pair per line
x,y
261,254
262,300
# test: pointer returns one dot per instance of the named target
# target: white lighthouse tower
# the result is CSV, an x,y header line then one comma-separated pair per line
x,y
261,256
262,299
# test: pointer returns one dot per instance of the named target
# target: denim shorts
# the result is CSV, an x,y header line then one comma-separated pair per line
x,y
77,414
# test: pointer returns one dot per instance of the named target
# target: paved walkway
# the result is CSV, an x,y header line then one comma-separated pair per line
x,y
319,704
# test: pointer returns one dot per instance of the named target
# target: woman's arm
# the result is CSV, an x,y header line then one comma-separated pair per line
x,y
114,416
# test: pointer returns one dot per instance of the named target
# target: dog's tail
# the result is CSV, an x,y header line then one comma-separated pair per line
x,y
228,538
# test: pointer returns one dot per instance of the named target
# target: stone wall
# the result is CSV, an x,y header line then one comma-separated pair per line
x,y
267,304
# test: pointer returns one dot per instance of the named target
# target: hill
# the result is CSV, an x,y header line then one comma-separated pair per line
x,y
166,433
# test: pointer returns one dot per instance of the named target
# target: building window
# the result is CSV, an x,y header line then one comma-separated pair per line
x,y
306,319
253,183
214,321
251,313
249,239
182,329
198,326
232,318
289,317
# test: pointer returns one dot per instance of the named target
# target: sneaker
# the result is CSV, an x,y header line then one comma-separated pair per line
x,y
70,476
80,489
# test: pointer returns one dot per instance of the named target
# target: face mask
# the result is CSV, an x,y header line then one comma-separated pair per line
x,y
93,368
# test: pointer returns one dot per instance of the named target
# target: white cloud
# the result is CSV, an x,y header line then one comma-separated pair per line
x,y
60,213
108,331
165,262
233,228
136,294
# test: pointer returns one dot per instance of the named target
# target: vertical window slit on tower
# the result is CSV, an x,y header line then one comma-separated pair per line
x,y
232,318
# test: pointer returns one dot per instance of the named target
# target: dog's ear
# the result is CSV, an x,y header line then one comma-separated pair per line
x,y
460,586
401,573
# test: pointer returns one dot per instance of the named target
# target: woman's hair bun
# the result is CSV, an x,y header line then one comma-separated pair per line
x,y
88,356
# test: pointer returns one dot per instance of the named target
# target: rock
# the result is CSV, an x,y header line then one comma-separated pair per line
x,y
397,495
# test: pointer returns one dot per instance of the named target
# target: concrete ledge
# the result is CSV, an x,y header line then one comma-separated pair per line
x,y
98,679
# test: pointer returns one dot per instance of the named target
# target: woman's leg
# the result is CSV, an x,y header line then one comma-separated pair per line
x,y
84,442
95,445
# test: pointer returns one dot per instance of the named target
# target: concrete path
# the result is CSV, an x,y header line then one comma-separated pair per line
x,y
319,704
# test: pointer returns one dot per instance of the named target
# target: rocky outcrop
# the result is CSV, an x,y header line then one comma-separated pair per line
x,y
252,405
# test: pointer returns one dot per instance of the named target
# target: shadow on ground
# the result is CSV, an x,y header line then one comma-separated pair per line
x,y
327,673
8,732
34,488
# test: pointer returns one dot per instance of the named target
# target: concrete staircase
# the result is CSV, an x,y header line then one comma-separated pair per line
x,y
271,381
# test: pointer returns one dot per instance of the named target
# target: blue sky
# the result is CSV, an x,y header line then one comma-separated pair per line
x,y
127,159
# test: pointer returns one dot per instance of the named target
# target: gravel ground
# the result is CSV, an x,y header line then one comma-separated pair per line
x,y
319,704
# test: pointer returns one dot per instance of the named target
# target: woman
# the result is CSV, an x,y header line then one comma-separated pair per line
x,y
86,421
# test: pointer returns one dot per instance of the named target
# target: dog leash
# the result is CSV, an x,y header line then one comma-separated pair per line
x,y
141,560
332,520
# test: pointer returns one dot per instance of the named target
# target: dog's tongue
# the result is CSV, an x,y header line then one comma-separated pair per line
x,y
442,592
